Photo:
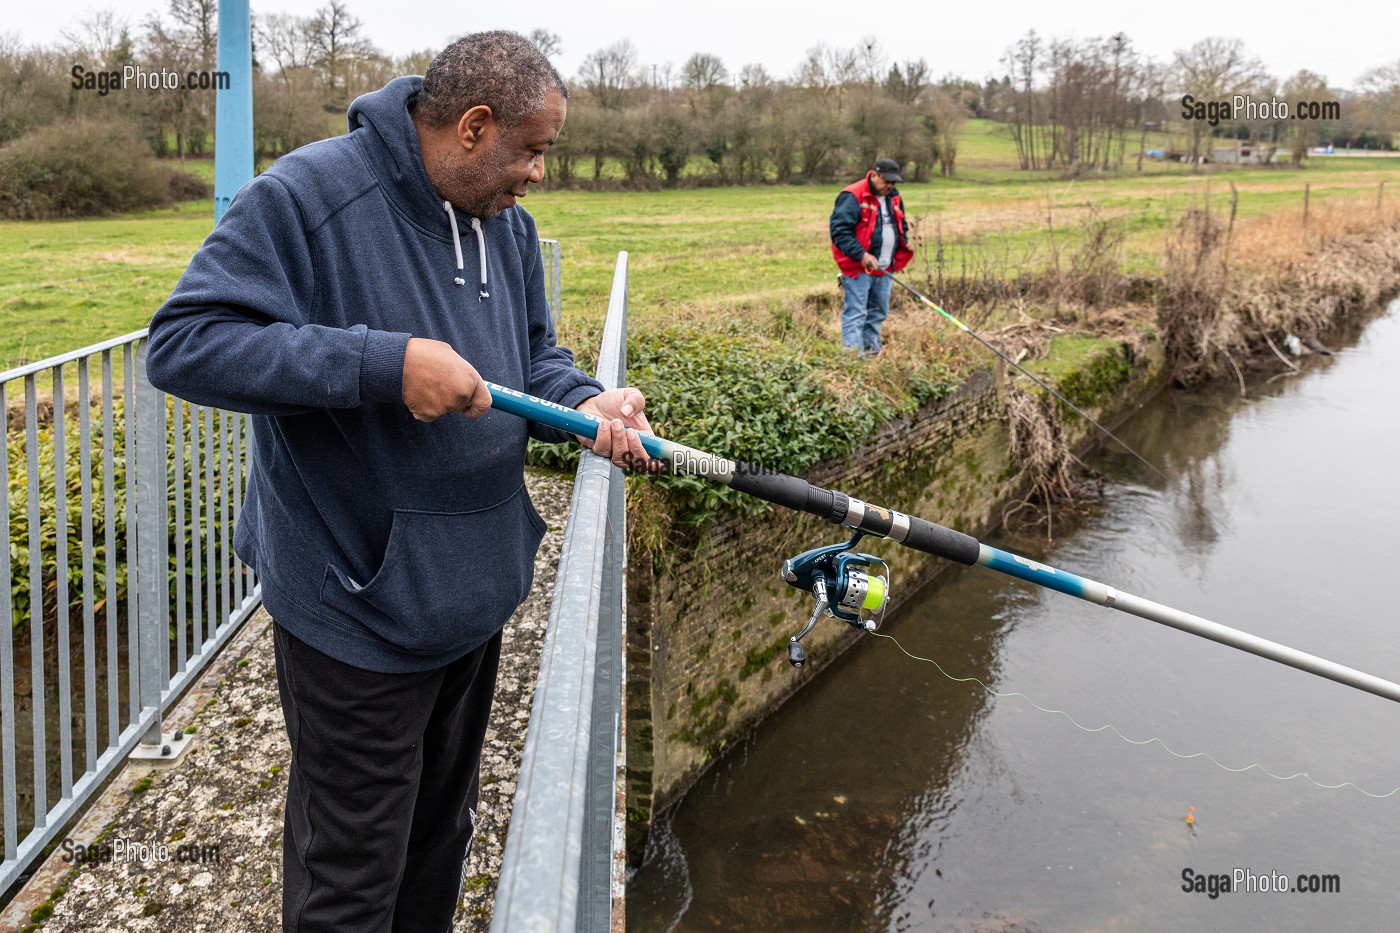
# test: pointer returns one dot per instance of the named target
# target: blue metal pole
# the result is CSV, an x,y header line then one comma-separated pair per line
x,y
233,118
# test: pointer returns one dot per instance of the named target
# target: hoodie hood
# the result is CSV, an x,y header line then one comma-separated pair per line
x,y
380,122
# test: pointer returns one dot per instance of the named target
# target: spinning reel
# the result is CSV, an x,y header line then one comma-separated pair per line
x,y
846,584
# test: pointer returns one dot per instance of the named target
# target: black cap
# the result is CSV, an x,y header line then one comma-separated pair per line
x,y
888,169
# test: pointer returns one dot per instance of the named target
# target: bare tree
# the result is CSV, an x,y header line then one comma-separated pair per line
x,y
283,40
415,63
880,128
607,73
778,141
1022,61
869,61
828,71
1214,70
703,72
674,139
819,140
184,114
1087,101
33,87
591,131
1381,87
1151,109
102,34
547,42
338,48
905,82
949,115
755,78
197,25
287,112
1123,77
1304,87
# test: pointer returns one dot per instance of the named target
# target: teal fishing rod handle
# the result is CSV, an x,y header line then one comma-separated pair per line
x,y
551,414
769,485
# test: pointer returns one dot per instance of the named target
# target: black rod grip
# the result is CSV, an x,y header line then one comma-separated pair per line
x,y
771,486
801,496
942,542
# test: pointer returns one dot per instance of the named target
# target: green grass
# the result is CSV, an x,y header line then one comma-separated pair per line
x,y
736,251
66,284
695,253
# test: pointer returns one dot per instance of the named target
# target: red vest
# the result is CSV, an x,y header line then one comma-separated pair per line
x,y
869,217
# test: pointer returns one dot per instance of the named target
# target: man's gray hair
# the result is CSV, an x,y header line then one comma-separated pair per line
x,y
501,70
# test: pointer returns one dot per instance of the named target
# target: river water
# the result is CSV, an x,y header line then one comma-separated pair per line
x,y
885,796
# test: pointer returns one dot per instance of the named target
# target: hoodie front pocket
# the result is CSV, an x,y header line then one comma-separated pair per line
x,y
449,579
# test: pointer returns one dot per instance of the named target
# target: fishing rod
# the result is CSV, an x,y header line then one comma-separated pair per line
x,y
1025,372
850,585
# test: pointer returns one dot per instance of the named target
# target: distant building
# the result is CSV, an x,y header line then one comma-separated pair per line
x,y
1244,155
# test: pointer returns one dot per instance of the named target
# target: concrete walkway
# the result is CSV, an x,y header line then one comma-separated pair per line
x,y
218,813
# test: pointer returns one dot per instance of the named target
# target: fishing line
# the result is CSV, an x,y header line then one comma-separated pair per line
x,y
1114,729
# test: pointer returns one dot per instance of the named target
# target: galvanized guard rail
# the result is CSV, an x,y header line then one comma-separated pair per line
x,y
561,857
172,476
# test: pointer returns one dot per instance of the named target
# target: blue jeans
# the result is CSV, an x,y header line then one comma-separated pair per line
x,y
867,304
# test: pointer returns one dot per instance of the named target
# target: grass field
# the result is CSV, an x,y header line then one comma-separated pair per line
x,y
698,254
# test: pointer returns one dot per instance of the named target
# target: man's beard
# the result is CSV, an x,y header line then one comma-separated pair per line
x,y
481,201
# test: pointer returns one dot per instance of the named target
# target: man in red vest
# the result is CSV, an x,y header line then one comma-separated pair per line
x,y
869,237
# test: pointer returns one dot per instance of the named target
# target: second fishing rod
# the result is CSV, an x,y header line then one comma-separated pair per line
x,y
925,300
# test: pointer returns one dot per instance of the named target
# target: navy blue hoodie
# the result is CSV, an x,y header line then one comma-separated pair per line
x,y
387,543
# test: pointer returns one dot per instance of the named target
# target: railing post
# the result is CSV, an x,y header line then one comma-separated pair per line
x,y
151,611
551,256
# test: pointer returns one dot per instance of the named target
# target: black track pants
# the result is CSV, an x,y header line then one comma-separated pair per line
x,y
382,793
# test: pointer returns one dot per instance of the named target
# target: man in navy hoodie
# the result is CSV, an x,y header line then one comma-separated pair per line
x,y
338,303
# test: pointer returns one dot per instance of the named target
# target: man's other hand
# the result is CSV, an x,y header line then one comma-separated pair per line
x,y
436,380
618,437
870,263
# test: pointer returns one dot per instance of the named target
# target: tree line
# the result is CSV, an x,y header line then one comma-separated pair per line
x,y
1072,105
306,71
1078,104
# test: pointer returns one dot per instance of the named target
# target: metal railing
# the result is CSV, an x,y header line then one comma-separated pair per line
x,y
98,488
553,275
562,854
120,511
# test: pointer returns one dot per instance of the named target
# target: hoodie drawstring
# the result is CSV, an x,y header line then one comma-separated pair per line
x,y
481,251
457,246
456,240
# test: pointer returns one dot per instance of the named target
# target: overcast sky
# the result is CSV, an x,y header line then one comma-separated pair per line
x,y
1340,39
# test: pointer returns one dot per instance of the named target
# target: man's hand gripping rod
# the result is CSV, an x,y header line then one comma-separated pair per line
x,y
913,532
